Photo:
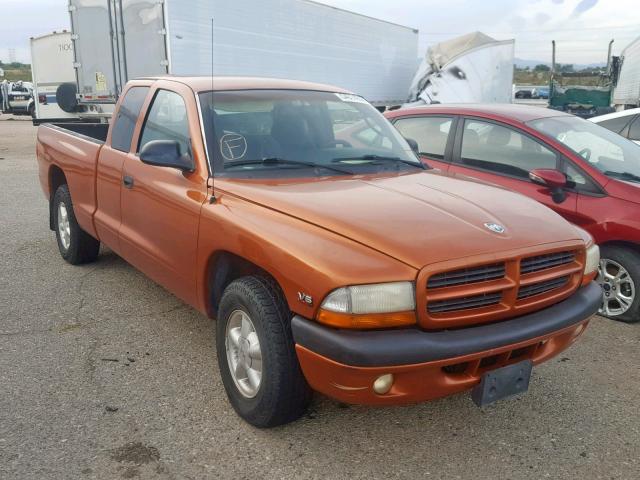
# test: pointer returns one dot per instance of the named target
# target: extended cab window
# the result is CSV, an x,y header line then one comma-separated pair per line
x,y
167,120
431,133
503,150
127,117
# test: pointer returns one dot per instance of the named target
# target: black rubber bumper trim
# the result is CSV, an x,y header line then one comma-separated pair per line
x,y
411,345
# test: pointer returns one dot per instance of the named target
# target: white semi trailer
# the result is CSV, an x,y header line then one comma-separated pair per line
x,y
51,67
627,91
118,40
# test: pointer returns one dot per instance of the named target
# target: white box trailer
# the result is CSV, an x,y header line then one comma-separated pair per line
x,y
118,40
51,66
627,91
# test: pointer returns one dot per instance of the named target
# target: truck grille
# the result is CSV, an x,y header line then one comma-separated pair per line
x,y
466,275
541,287
464,303
541,262
502,287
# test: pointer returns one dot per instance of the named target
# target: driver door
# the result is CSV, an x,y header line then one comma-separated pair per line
x,y
161,205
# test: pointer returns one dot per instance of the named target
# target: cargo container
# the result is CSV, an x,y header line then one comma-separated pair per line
x,y
116,40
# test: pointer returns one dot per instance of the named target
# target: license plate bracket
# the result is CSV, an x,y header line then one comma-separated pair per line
x,y
502,383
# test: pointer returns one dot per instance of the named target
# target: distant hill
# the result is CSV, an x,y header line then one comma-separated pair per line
x,y
522,63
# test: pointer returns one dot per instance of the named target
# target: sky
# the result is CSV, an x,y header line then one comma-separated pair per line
x,y
581,28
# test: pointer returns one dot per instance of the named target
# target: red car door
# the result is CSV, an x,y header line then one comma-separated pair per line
x,y
504,155
433,134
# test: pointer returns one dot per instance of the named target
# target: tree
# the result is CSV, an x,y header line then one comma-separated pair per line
x,y
541,68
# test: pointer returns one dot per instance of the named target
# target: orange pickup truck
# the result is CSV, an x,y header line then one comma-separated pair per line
x,y
331,257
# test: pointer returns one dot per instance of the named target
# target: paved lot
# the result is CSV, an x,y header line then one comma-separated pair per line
x,y
105,375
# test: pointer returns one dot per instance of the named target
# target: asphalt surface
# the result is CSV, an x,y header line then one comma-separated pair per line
x,y
105,375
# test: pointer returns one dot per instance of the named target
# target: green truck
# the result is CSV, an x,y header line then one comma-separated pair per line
x,y
592,98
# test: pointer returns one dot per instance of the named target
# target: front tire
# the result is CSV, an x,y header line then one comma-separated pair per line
x,y
256,354
619,275
76,246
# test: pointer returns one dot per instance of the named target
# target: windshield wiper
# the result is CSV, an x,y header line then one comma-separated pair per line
x,y
382,158
623,175
284,161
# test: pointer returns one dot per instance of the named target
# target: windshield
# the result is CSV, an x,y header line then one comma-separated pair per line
x,y
607,151
295,133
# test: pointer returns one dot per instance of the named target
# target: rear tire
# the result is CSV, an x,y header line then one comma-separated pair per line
x,y
622,276
268,387
76,246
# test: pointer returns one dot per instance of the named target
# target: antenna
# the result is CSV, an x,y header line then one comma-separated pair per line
x,y
210,107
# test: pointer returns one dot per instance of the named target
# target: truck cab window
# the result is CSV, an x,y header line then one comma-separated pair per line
x,y
167,120
127,117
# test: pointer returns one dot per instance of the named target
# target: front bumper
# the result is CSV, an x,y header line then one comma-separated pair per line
x,y
430,364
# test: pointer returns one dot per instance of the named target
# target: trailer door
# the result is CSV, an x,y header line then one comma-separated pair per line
x,y
93,45
115,41
141,46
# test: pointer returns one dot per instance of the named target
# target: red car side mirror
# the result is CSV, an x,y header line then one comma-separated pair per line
x,y
554,180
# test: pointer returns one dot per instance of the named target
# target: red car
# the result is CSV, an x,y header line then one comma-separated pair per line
x,y
586,173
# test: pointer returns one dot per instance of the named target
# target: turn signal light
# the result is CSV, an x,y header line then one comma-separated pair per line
x,y
363,321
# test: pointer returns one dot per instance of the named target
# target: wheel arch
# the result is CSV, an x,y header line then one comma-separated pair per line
x,y
56,178
622,244
223,267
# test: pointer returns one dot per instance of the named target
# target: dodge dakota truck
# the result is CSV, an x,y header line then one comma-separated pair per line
x,y
330,257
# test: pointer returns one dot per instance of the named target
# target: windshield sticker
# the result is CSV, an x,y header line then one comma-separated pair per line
x,y
233,146
348,97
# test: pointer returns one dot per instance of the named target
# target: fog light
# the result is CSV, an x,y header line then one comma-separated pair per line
x,y
383,384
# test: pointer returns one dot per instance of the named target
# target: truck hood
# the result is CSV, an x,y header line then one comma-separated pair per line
x,y
418,218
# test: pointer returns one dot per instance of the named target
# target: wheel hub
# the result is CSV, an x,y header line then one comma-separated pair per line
x,y
64,227
244,356
618,288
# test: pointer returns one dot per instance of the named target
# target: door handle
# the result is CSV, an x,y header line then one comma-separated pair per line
x,y
127,181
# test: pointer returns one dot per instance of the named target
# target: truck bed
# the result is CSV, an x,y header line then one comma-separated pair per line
x,y
72,148
90,131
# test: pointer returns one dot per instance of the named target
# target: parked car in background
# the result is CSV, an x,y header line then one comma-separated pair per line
x,y
584,172
331,257
625,123
540,92
20,98
524,93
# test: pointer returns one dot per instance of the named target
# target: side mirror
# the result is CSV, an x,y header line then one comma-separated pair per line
x,y
166,153
554,180
414,145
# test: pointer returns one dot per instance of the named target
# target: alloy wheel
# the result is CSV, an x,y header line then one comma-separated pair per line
x,y
244,356
618,289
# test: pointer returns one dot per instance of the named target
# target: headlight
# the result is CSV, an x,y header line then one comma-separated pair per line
x,y
592,260
370,306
